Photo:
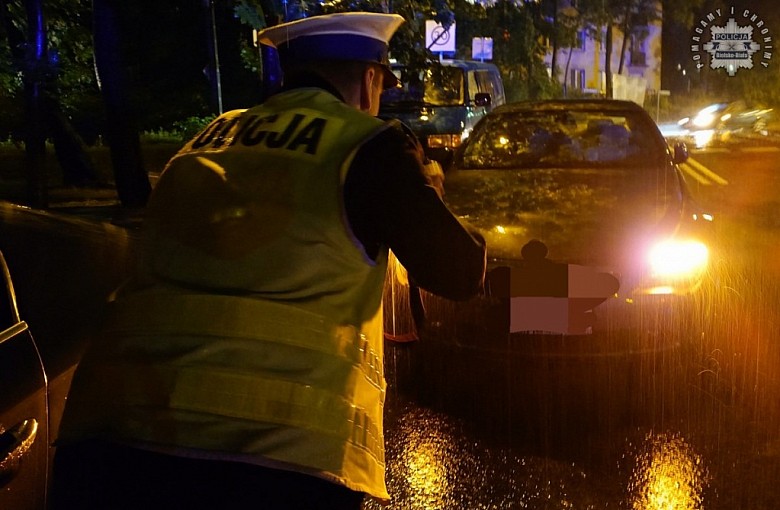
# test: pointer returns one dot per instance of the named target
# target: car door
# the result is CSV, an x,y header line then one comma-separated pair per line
x,y
23,408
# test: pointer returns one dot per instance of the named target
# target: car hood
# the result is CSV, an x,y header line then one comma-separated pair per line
x,y
603,218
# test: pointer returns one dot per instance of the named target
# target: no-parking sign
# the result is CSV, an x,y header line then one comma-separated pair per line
x,y
438,38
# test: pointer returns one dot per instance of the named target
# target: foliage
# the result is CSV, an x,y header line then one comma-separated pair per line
x,y
68,69
160,136
681,12
518,33
187,129
626,15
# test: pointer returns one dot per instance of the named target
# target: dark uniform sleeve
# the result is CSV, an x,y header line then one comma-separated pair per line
x,y
389,203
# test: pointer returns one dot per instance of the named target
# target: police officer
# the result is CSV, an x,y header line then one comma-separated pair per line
x,y
243,365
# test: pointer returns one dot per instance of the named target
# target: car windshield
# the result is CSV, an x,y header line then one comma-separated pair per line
x,y
561,139
436,86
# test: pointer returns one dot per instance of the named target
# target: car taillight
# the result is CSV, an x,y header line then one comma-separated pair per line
x,y
443,141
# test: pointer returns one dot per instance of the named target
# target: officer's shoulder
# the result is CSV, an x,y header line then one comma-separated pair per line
x,y
398,126
399,131
233,113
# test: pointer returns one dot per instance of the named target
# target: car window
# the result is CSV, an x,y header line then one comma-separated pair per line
x,y
474,85
437,86
444,86
410,87
483,82
561,139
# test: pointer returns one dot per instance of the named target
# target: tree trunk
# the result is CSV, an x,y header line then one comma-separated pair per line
x,y
77,166
623,52
626,35
34,84
608,62
566,74
554,60
132,181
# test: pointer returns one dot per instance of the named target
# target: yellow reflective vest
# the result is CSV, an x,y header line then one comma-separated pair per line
x,y
254,325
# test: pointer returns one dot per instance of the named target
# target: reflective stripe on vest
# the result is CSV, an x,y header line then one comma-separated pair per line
x,y
265,400
138,401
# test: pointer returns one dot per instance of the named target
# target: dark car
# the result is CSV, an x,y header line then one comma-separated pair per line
x,y
591,229
63,270
597,263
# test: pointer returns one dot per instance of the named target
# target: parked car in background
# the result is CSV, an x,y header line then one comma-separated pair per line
x,y
442,103
718,122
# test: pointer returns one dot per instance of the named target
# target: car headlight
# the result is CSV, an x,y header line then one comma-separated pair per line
x,y
703,137
706,116
674,259
704,119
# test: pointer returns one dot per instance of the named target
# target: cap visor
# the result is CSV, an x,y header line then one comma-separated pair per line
x,y
391,80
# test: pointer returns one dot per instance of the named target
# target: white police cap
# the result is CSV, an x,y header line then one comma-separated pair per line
x,y
360,36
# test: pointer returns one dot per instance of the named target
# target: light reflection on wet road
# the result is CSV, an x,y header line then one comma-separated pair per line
x,y
438,462
668,473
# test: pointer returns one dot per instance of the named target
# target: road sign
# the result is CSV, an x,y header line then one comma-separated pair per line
x,y
438,38
482,48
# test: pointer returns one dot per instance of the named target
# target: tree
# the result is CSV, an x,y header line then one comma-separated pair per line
x,y
636,13
517,30
157,77
28,35
132,181
601,17
150,58
34,83
598,17
563,30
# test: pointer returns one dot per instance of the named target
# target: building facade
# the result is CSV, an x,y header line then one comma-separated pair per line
x,y
581,68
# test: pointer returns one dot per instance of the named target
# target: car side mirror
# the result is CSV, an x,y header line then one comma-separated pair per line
x,y
482,99
680,153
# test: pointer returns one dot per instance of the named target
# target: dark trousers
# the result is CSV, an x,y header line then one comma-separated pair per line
x,y
96,475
